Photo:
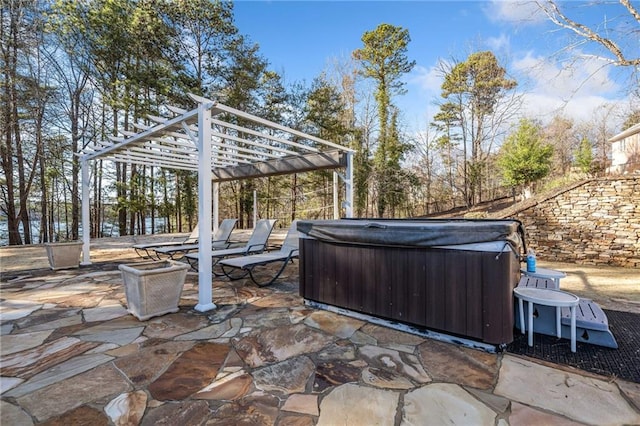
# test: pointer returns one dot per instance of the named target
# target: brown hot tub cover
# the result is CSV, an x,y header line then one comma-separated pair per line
x,y
415,232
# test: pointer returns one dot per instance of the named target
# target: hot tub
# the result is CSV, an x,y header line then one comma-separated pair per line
x,y
450,276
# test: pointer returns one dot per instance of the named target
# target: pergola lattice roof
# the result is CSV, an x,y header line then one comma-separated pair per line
x,y
242,145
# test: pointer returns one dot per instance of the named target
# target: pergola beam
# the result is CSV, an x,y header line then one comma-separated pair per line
x,y
158,129
282,166
264,136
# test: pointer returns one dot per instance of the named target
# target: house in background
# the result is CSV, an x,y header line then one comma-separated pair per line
x,y
625,151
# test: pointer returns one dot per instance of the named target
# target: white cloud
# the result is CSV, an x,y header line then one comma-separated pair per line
x,y
428,79
545,108
584,77
574,88
498,44
514,11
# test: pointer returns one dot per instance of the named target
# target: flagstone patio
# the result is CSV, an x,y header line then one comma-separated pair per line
x,y
71,354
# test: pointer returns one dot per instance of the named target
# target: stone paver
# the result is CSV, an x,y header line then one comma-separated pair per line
x,y
19,342
335,324
280,343
15,309
351,404
127,408
143,365
13,415
62,371
400,362
289,376
7,383
523,415
74,392
228,388
71,354
301,403
190,372
462,365
444,403
584,399
28,363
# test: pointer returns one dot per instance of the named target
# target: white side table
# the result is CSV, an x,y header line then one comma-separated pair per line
x,y
543,296
549,274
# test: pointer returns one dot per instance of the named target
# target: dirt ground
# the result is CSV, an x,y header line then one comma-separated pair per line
x,y
612,287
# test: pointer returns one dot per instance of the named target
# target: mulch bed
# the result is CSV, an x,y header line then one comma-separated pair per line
x,y
623,363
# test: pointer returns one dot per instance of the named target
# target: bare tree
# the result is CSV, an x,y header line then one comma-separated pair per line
x,y
619,39
19,38
610,40
560,133
598,130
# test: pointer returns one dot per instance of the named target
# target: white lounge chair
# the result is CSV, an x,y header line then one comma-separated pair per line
x,y
146,250
220,240
288,251
256,244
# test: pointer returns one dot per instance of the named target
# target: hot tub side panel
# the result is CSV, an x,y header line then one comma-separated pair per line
x,y
468,293
497,297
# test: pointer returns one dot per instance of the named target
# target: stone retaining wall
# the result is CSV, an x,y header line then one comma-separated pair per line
x,y
595,222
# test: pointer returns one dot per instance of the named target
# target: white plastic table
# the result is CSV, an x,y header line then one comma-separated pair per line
x,y
543,296
549,274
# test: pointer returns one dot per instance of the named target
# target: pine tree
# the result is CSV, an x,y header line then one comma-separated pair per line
x,y
473,90
384,59
584,156
525,158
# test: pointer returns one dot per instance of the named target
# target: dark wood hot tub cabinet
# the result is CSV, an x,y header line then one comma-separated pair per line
x,y
455,277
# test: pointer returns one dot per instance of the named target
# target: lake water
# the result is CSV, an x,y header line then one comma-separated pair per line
x,y
108,229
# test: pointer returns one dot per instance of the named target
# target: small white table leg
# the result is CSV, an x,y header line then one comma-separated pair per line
x,y
547,297
530,324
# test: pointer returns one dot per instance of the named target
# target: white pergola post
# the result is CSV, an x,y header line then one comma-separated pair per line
x,y
85,215
205,274
216,206
349,185
336,207
255,208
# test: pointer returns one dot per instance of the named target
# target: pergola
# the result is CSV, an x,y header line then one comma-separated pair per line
x,y
222,144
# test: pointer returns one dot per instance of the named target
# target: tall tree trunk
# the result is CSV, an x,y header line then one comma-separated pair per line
x,y
75,165
153,201
10,53
44,208
165,201
22,179
52,211
121,179
178,202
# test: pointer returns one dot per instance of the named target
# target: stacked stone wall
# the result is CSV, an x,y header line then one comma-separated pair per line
x,y
595,223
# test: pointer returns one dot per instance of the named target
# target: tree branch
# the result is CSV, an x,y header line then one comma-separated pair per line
x,y
552,11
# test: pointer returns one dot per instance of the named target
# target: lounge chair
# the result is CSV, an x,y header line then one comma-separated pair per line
x,y
146,250
256,244
220,240
288,251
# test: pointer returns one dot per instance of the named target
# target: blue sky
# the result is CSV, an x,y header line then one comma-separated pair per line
x,y
301,38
